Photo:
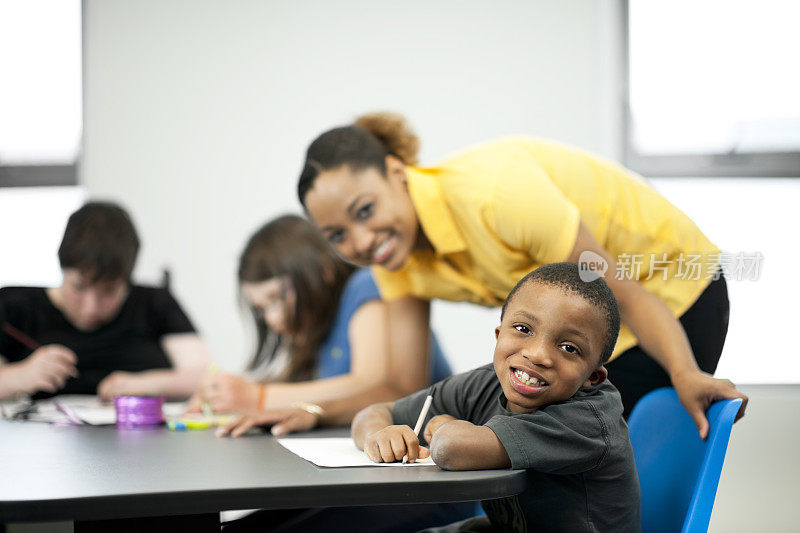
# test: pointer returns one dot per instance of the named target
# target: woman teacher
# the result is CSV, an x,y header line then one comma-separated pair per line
x,y
468,228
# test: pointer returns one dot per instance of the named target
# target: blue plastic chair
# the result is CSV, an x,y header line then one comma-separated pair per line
x,y
678,472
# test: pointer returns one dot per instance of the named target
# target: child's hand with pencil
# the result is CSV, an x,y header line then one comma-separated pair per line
x,y
393,443
384,442
46,369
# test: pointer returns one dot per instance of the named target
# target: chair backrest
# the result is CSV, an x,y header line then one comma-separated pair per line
x,y
678,472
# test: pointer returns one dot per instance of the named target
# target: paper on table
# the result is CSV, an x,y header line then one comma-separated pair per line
x,y
336,452
94,415
88,408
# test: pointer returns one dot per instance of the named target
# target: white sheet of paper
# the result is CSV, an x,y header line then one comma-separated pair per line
x,y
336,452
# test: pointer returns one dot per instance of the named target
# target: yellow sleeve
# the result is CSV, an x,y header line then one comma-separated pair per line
x,y
529,213
391,285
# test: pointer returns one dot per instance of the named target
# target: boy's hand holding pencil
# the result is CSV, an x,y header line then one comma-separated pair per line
x,y
396,442
393,443
46,369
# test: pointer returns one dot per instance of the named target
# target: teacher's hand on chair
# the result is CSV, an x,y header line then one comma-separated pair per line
x,y
697,390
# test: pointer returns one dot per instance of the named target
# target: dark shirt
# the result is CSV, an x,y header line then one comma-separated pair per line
x,y
580,471
130,342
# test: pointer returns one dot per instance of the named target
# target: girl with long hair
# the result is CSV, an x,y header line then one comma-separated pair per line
x,y
322,336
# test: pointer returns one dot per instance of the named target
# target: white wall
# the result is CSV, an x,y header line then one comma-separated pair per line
x,y
197,114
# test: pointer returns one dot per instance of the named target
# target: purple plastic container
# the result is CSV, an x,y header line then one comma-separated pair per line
x,y
139,411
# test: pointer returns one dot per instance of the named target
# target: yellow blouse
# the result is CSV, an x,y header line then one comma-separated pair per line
x,y
496,211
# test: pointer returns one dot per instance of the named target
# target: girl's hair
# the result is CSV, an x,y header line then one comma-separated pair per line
x,y
291,247
364,144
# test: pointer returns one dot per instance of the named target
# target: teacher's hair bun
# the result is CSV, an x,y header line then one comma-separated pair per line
x,y
394,133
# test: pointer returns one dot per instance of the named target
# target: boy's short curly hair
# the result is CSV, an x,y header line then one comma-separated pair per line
x,y
566,276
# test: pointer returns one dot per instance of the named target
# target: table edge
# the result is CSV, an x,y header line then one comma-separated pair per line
x,y
194,502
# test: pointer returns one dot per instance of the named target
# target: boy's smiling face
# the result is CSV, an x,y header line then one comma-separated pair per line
x,y
549,345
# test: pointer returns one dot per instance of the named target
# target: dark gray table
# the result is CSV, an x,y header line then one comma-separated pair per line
x,y
90,474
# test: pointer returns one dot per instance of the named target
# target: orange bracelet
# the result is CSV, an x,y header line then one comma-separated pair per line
x,y
262,395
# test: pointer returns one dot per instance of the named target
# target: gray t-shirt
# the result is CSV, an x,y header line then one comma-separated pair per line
x,y
579,460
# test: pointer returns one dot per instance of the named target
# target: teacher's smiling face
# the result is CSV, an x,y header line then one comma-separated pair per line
x,y
367,217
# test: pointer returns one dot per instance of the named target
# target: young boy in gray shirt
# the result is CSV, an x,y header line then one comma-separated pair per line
x,y
544,405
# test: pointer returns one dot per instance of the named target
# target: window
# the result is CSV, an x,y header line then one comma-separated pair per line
x,y
712,88
40,92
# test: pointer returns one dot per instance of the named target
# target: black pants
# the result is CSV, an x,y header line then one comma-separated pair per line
x,y
373,518
635,374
